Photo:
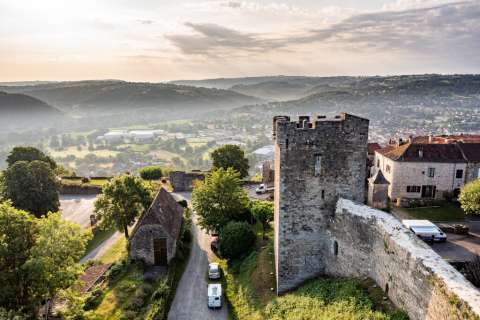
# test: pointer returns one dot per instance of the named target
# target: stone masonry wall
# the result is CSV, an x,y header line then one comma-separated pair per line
x,y
366,242
315,163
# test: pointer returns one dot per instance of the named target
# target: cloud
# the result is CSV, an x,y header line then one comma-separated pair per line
x,y
439,30
145,21
213,39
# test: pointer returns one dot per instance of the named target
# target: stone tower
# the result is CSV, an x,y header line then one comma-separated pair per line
x,y
315,164
378,191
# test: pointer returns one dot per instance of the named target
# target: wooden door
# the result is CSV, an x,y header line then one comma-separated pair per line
x,y
160,251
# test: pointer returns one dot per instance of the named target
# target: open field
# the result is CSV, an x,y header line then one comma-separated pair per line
x,y
81,153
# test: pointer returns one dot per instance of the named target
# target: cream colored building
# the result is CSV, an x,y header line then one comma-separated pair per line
x,y
419,170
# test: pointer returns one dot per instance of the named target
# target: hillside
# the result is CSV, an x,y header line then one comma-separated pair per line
x,y
399,104
113,97
20,110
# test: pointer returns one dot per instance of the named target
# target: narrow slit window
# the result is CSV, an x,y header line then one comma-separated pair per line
x,y
335,248
323,194
286,143
318,165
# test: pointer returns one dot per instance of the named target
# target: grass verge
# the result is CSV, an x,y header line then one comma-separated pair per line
x,y
98,237
445,212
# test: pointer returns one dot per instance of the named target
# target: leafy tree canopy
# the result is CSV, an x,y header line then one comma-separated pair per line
x,y
122,200
38,256
230,156
32,186
151,173
236,238
220,199
29,154
470,197
263,213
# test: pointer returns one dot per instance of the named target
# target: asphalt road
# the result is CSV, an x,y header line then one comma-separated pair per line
x,y
77,208
191,297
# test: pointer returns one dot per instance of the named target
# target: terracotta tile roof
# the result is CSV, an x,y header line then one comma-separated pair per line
x,y
164,211
446,139
372,147
415,152
91,276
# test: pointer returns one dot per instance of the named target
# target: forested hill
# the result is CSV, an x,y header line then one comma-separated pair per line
x,y
20,111
112,96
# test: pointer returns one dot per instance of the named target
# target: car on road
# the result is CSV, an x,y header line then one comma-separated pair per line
x,y
214,295
262,189
425,230
214,271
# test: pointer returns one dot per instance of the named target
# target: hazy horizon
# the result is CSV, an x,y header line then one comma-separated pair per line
x,y
151,41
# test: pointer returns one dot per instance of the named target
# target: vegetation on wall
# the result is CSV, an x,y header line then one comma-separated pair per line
x,y
470,197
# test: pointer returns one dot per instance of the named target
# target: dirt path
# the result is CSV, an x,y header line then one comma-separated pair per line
x,y
191,297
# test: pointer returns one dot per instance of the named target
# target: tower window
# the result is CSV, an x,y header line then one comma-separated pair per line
x,y
335,248
323,194
318,165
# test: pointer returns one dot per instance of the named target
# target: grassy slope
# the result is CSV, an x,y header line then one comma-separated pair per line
x,y
99,237
446,212
250,290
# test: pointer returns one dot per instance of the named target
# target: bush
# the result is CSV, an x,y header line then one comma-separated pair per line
x,y
183,203
470,197
236,238
94,299
85,180
151,173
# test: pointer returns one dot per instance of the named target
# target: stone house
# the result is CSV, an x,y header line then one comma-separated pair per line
x,y
185,181
418,169
154,238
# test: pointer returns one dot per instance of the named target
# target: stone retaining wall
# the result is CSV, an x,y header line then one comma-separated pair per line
x,y
368,242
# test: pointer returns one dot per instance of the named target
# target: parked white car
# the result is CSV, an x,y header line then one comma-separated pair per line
x,y
425,230
261,189
213,271
214,295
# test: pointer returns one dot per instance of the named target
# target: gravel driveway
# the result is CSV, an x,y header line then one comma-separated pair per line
x,y
191,297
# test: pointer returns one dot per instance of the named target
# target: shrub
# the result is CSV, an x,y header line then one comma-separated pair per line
x,y
183,203
470,197
94,299
236,238
151,173
85,180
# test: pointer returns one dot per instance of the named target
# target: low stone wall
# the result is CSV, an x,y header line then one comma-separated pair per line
x,y
369,242
82,189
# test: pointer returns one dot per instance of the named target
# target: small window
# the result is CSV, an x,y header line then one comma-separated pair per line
x,y
286,143
413,189
378,163
318,164
431,172
323,194
335,248
387,168
459,174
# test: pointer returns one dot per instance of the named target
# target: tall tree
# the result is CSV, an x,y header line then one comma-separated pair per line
x,y
122,200
230,156
38,256
32,186
263,212
470,197
28,154
220,199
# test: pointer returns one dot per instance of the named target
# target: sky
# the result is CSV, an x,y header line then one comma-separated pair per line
x,y
160,40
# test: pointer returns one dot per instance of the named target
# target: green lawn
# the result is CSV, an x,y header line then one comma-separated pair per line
x,y
250,290
446,212
116,252
98,238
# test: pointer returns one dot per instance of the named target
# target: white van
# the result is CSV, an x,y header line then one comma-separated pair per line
x,y
215,295
425,230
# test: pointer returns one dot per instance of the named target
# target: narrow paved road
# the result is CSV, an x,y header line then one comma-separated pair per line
x,y
191,297
102,247
77,208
